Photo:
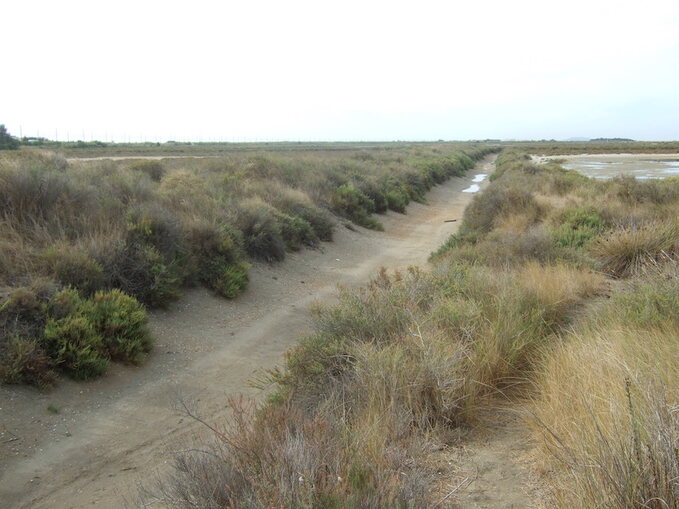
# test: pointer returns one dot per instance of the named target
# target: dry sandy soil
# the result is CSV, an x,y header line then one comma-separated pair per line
x,y
112,434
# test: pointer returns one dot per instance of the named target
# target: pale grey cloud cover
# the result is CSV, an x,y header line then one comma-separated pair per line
x,y
351,70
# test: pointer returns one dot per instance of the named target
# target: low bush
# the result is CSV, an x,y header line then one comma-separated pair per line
x,y
75,347
154,169
261,231
627,251
141,271
219,258
76,268
296,232
23,361
575,226
498,201
351,203
120,321
44,330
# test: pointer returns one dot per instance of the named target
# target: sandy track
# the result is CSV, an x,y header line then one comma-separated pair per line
x,y
116,432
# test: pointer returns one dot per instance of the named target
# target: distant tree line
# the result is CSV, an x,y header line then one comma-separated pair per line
x,y
611,139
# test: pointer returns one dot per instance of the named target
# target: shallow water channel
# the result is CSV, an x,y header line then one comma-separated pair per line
x,y
474,188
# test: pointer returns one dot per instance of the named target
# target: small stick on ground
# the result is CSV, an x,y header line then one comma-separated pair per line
x,y
458,487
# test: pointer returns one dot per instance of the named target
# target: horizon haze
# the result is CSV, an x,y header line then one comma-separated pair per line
x,y
350,71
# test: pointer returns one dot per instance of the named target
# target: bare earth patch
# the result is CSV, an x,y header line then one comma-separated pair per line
x,y
492,467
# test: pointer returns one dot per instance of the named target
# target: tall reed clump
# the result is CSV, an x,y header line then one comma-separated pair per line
x,y
607,417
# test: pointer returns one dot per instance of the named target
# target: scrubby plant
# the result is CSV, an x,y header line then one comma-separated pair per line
x,y
120,321
626,251
350,202
498,201
23,361
219,258
261,231
72,267
153,168
141,271
296,232
75,346
575,226
44,330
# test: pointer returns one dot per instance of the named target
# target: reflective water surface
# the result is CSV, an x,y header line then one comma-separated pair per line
x,y
642,166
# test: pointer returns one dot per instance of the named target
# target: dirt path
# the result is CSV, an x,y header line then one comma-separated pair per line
x,y
491,469
110,434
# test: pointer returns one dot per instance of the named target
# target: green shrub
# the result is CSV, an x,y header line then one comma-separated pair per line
x,y
77,336
296,232
75,347
351,203
64,303
499,201
651,304
261,232
318,218
295,203
151,263
417,184
156,226
219,258
24,361
120,321
374,191
575,226
562,181
315,363
506,248
71,267
232,280
141,271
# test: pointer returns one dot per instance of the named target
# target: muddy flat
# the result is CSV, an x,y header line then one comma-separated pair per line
x,y
84,444
603,166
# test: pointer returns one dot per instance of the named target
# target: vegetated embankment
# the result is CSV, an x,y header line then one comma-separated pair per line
x,y
558,294
85,246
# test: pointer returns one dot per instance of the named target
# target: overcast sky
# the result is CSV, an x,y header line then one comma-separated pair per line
x,y
340,70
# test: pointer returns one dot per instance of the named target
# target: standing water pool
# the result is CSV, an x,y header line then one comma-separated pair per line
x,y
605,166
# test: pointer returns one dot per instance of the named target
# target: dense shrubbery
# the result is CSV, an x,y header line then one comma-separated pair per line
x,y
153,168
44,330
108,224
149,228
